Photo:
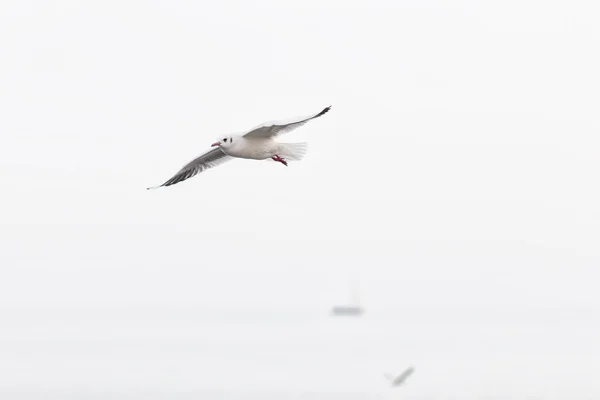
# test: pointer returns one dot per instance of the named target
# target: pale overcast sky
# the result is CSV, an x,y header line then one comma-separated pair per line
x,y
457,168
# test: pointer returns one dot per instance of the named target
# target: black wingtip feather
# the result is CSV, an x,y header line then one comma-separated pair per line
x,y
323,112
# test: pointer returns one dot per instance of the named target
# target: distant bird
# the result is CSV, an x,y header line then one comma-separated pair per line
x,y
256,144
399,380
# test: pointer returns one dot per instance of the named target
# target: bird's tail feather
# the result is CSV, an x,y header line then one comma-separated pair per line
x,y
294,151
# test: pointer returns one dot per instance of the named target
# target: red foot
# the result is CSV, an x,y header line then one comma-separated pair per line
x,y
279,159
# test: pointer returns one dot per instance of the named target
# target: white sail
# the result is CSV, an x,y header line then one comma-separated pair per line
x,y
353,307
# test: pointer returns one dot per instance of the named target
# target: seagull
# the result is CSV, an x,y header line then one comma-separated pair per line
x,y
257,144
399,380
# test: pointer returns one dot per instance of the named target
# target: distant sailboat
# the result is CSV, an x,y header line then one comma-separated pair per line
x,y
353,308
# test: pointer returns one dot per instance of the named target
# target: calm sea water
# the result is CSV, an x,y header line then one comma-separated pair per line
x,y
184,353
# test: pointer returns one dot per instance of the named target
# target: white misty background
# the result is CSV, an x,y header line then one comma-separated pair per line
x,y
455,177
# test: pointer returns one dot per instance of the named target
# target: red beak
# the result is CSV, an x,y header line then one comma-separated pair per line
x,y
215,144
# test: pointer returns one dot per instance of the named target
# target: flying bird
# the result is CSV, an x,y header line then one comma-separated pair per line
x,y
400,379
257,144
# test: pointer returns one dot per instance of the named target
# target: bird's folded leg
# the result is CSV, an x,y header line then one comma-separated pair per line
x,y
279,159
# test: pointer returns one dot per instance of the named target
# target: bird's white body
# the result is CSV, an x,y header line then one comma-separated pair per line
x,y
261,148
256,144
255,149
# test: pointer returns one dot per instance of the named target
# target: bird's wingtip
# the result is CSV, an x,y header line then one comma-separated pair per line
x,y
326,109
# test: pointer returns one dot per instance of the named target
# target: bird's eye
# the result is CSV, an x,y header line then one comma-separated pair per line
x,y
225,140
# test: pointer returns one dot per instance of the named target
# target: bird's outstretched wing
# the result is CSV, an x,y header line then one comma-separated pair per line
x,y
209,159
274,128
403,376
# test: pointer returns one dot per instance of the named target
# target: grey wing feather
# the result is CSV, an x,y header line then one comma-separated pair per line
x,y
274,128
209,159
402,377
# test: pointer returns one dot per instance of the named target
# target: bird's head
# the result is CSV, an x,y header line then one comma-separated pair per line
x,y
226,141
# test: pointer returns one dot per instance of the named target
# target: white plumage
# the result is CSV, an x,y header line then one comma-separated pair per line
x,y
256,144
